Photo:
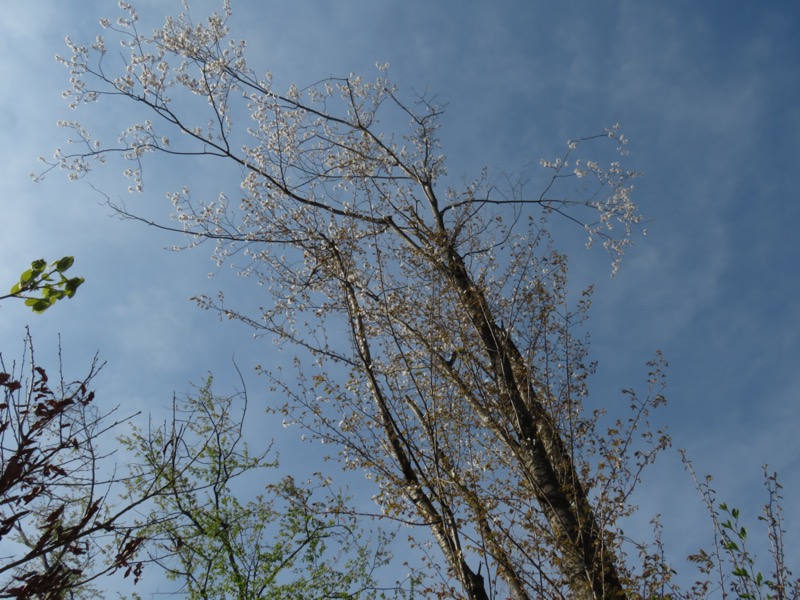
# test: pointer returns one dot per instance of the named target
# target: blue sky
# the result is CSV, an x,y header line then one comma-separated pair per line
x,y
706,92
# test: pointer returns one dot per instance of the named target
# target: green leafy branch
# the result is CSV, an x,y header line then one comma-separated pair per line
x,y
730,552
43,285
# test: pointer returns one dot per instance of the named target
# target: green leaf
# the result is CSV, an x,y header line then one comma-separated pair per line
x,y
65,263
26,277
72,285
38,305
39,265
730,545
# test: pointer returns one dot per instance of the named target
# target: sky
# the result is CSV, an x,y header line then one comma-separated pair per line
x,y
706,92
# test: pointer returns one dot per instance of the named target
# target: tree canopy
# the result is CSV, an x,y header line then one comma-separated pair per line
x,y
438,342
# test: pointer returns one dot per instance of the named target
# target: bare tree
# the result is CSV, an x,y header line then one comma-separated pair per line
x,y
460,388
56,507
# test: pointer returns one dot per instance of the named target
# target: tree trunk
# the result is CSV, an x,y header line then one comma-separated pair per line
x,y
591,570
